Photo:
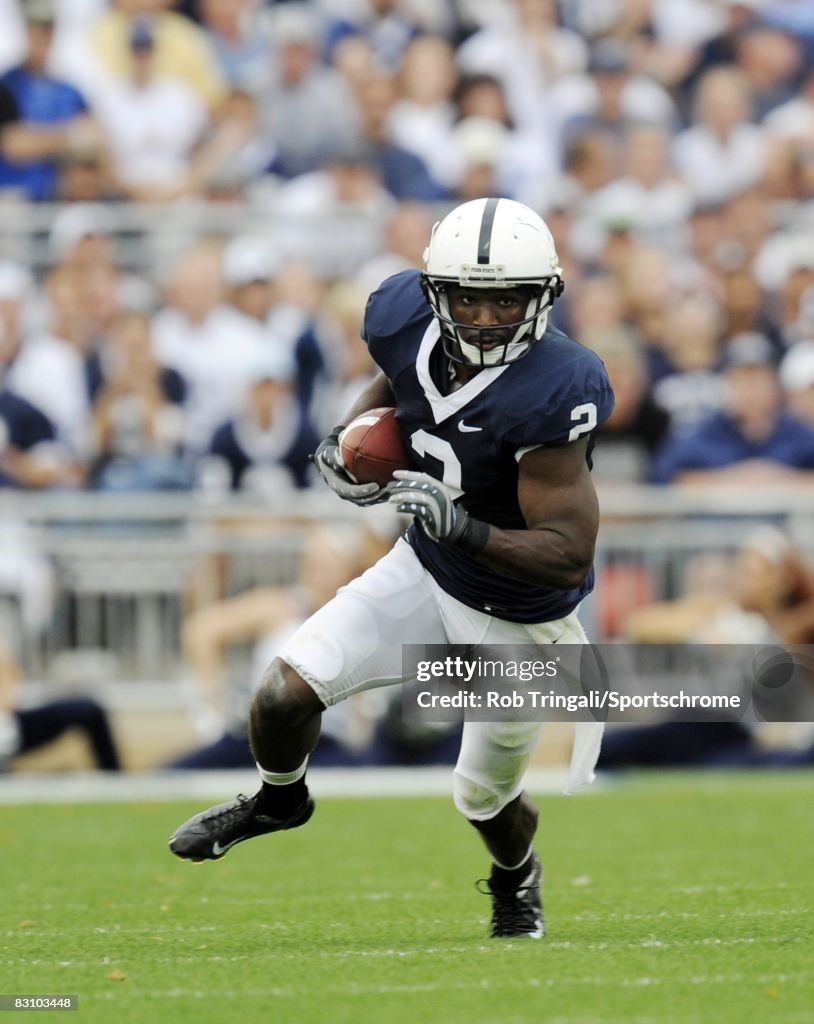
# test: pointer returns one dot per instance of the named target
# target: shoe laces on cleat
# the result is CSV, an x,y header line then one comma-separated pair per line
x,y
514,911
233,812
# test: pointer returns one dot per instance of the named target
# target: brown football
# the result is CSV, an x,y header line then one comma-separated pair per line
x,y
372,447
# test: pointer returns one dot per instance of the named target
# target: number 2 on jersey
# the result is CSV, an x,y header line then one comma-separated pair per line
x,y
584,418
427,444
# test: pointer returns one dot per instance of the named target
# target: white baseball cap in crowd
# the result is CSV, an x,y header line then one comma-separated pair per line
x,y
275,363
247,259
479,140
797,367
15,281
78,221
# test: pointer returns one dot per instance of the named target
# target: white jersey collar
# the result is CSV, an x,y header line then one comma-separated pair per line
x,y
444,406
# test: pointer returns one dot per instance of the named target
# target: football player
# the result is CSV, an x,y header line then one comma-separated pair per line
x,y
498,409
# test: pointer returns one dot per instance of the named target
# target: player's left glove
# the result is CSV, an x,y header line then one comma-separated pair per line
x,y
432,504
328,461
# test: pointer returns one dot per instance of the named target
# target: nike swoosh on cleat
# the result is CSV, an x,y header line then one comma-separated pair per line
x,y
217,849
464,429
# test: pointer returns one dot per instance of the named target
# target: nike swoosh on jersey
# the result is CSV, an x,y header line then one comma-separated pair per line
x,y
464,429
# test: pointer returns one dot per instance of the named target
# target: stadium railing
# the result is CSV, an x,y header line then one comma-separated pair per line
x,y
125,568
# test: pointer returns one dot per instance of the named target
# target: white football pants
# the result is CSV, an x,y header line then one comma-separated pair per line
x,y
354,643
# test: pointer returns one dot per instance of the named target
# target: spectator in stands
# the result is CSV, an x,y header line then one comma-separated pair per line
x,y
30,453
420,120
600,310
648,193
249,268
767,594
319,353
309,110
719,48
684,366
591,160
137,416
589,164
482,95
154,121
797,379
772,62
404,175
524,166
41,117
23,728
86,175
50,369
743,306
329,388
795,298
239,40
646,289
265,446
405,239
751,441
234,155
706,230
383,25
82,235
542,51
747,223
193,334
266,617
181,48
350,184
479,145
612,96
722,152
17,291
794,119
637,425
769,597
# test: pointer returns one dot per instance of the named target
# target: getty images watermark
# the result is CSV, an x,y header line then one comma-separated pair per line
x,y
636,683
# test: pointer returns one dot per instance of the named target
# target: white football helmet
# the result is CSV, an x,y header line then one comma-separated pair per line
x,y
492,243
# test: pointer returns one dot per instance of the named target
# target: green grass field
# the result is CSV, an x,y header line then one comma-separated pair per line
x,y
669,899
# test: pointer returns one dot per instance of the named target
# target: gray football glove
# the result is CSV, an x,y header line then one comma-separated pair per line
x,y
432,504
328,461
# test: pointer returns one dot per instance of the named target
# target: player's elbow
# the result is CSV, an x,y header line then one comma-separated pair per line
x,y
572,577
575,564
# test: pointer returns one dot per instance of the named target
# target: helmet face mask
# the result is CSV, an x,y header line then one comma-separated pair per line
x,y
504,342
491,244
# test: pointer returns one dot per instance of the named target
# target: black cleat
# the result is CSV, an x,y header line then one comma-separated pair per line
x,y
210,834
517,913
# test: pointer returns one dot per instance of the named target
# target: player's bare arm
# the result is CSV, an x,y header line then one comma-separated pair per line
x,y
558,501
377,394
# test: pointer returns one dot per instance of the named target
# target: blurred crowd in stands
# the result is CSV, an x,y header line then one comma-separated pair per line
x,y
668,143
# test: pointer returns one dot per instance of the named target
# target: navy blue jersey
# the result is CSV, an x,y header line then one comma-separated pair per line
x,y
242,445
474,437
22,426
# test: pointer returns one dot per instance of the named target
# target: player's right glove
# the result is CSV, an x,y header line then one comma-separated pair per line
x,y
434,507
328,460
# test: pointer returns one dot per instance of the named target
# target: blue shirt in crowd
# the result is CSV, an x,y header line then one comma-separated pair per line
x,y
717,442
40,101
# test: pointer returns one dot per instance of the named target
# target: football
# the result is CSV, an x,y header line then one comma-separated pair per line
x,y
372,447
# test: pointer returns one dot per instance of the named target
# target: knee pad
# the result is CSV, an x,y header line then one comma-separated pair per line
x,y
482,800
